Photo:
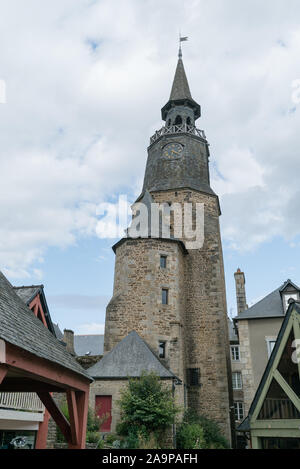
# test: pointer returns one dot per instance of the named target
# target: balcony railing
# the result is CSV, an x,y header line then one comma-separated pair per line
x,y
28,401
177,129
274,409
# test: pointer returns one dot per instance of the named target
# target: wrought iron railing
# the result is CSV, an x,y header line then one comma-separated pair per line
x,y
274,409
21,401
177,129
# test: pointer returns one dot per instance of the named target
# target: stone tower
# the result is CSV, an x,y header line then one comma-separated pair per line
x,y
171,294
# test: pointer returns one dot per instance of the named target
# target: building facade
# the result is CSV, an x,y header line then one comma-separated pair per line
x,y
168,288
253,335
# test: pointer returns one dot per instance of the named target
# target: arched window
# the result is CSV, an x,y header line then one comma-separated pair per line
x,y
188,121
178,120
169,123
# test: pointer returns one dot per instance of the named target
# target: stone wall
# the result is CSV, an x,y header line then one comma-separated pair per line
x,y
205,318
194,323
247,365
137,299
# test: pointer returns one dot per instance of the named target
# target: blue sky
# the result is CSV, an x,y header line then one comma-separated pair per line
x,y
85,83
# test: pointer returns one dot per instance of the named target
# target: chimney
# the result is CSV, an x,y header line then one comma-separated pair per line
x,y
240,291
69,340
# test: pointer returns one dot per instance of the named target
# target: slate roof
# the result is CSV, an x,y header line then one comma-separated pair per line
x,y
180,92
270,306
129,358
27,294
88,344
180,87
20,327
57,331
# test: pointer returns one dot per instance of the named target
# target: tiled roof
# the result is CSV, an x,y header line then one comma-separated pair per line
x,y
20,327
129,358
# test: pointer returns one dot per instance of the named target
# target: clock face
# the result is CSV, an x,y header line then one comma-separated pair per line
x,y
172,150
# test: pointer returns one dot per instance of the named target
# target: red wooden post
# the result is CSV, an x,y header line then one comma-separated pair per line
x,y
56,414
73,413
41,438
82,399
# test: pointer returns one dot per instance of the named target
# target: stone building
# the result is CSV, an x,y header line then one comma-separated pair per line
x,y
253,336
170,288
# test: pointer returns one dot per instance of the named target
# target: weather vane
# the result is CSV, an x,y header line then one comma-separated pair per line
x,y
181,39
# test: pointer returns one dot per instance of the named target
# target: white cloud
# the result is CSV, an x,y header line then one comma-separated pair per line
x,y
92,328
85,82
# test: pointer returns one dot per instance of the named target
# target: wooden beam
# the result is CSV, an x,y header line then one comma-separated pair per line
x,y
27,385
271,373
73,415
297,340
82,399
3,371
56,414
45,369
287,389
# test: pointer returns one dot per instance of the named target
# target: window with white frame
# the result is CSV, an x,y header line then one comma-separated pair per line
x,y
270,345
238,410
235,353
237,380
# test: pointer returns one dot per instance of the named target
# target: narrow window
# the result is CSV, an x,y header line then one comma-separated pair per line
x,y
239,411
237,380
163,262
165,296
235,353
162,349
178,120
188,121
193,376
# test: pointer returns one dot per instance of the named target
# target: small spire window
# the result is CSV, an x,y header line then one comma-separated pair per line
x,y
178,120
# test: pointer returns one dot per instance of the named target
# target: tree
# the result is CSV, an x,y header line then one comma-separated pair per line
x,y
147,408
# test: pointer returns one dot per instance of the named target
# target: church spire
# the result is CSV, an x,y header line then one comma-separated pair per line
x,y
180,88
180,92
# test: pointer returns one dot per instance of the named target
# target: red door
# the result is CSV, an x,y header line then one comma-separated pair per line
x,y
103,408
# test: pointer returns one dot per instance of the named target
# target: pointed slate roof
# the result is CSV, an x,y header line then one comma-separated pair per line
x,y
129,358
180,88
270,306
20,327
180,93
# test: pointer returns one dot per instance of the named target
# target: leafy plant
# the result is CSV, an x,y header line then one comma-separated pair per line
x,y
147,409
197,431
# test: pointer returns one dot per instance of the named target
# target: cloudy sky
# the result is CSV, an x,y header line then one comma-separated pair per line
x,y
85,81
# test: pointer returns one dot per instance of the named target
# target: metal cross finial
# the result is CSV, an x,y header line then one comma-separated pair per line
x,y
181,39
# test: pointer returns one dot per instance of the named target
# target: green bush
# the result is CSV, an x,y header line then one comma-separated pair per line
x,y
199,430
147,409
191,436
92,437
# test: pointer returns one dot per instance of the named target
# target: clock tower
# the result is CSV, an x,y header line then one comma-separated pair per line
x,y
171,294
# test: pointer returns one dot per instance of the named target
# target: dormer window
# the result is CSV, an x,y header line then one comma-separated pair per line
x,y
286,296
